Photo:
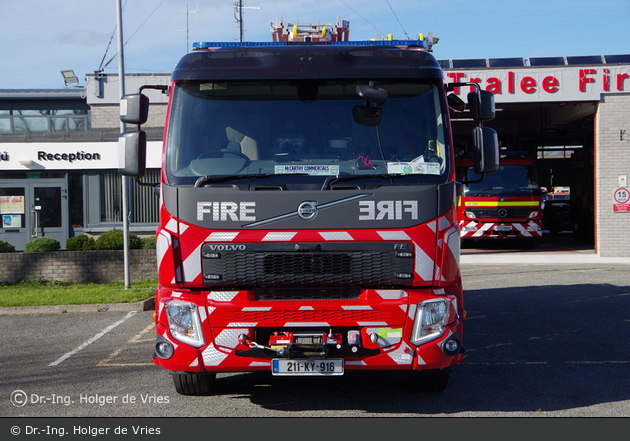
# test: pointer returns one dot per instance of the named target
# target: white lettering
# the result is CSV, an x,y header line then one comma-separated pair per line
x,y
411,207
246,211
385,208
367,208
388,210
201,210
227,211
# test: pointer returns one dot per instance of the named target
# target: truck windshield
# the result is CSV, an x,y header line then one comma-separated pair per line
x,y
302,131
508,180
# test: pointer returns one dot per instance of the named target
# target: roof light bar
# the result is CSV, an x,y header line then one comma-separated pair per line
x,y
213,45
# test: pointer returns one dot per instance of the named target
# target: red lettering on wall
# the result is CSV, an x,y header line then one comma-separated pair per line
x,y
620,78
474,80
606,80
584,79
510,82
494,85
528,85
550,84
456,76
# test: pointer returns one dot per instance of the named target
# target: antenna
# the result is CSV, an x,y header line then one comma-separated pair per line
x,y
238,16
189,12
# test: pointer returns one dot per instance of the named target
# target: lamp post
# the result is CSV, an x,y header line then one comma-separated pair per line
x,y
125,179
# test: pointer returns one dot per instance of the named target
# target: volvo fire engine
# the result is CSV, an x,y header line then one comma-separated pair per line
x,y
308,211
503,205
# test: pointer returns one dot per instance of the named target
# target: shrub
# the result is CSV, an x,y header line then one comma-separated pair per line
x,y
42,245
6,247
80,243
148,243
115,240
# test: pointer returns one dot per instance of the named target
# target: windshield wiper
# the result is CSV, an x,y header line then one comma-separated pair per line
x,y
213,179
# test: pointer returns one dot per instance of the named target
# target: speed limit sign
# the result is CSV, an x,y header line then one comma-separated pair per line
x,y
621,200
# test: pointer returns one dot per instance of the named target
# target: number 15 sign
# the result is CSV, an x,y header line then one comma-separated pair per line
x,y
621,200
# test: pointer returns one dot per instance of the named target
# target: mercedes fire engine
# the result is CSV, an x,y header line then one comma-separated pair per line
x,y
308,210
503,205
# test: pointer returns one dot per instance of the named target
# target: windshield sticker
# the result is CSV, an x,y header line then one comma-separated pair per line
x,y
413,168
313,170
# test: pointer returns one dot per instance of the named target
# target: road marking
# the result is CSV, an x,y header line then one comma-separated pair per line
x,y
93,339
135,339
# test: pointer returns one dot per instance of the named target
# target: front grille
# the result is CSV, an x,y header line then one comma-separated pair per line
x,y
308,265
281,264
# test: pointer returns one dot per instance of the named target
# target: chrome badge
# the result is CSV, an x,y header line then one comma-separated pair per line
x,y
307,210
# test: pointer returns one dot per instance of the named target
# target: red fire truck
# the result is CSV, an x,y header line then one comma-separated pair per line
x,y
308,211
503,205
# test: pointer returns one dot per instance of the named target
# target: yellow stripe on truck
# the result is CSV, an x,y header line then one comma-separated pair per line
x,y
501,204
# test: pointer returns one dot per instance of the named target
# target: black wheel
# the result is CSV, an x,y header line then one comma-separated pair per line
x,y
429,381
194,384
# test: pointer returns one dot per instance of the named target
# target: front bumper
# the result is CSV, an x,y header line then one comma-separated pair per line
x,y
371,333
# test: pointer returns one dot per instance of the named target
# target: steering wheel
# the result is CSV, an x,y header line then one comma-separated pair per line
x,y
215,153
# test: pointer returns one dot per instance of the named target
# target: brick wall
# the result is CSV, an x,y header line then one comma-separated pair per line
x,y
78,266
612,159
108,116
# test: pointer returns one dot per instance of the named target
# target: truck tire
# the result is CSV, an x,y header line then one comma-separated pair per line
x,y
429,381
194,384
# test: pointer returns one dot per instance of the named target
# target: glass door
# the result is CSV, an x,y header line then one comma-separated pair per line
x,y
32,209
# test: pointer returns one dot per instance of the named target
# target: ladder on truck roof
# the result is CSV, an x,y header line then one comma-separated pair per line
x,y
310,32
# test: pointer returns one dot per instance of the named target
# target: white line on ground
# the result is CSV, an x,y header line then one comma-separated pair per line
x,y
92,340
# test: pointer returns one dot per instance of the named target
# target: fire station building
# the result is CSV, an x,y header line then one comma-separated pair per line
x,y
58,148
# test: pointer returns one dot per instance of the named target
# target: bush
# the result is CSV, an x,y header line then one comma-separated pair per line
x,y
42,245
6,247
115,240
80,243
148,243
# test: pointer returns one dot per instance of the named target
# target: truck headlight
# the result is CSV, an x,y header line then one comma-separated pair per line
x,y
470,214
430,321
533,214
184,322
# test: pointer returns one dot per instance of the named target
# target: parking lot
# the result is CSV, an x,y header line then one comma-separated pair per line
x,y
542,340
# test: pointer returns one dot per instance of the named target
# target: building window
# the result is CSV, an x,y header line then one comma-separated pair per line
x,y
144,202
43,117
557,152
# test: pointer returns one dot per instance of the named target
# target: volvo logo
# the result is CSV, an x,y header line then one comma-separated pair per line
x,y
502,212
227,247
307,210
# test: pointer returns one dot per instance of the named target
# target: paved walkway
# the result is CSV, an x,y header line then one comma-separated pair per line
x,y
554,250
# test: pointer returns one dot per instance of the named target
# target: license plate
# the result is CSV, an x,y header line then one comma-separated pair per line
x,y
502,228
282,366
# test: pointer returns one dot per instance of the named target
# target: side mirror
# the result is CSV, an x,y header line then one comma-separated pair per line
x,y
481,103
486,150
132,154
455,103
134,109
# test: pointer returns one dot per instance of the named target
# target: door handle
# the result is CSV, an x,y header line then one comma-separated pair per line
x,y
34,222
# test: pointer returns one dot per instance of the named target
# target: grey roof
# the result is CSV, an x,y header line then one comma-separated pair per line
x,y
38,94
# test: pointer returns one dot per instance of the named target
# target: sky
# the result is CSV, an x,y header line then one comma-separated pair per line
x,y
40,38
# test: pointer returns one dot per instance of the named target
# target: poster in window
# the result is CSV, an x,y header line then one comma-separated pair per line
x,y
11,221
12,204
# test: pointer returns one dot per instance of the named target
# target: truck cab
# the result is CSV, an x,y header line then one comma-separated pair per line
x,y
308,216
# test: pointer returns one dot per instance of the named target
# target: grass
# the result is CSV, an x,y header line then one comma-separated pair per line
x,y
42,292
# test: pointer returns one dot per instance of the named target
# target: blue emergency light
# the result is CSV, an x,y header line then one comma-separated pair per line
x,y
212,45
